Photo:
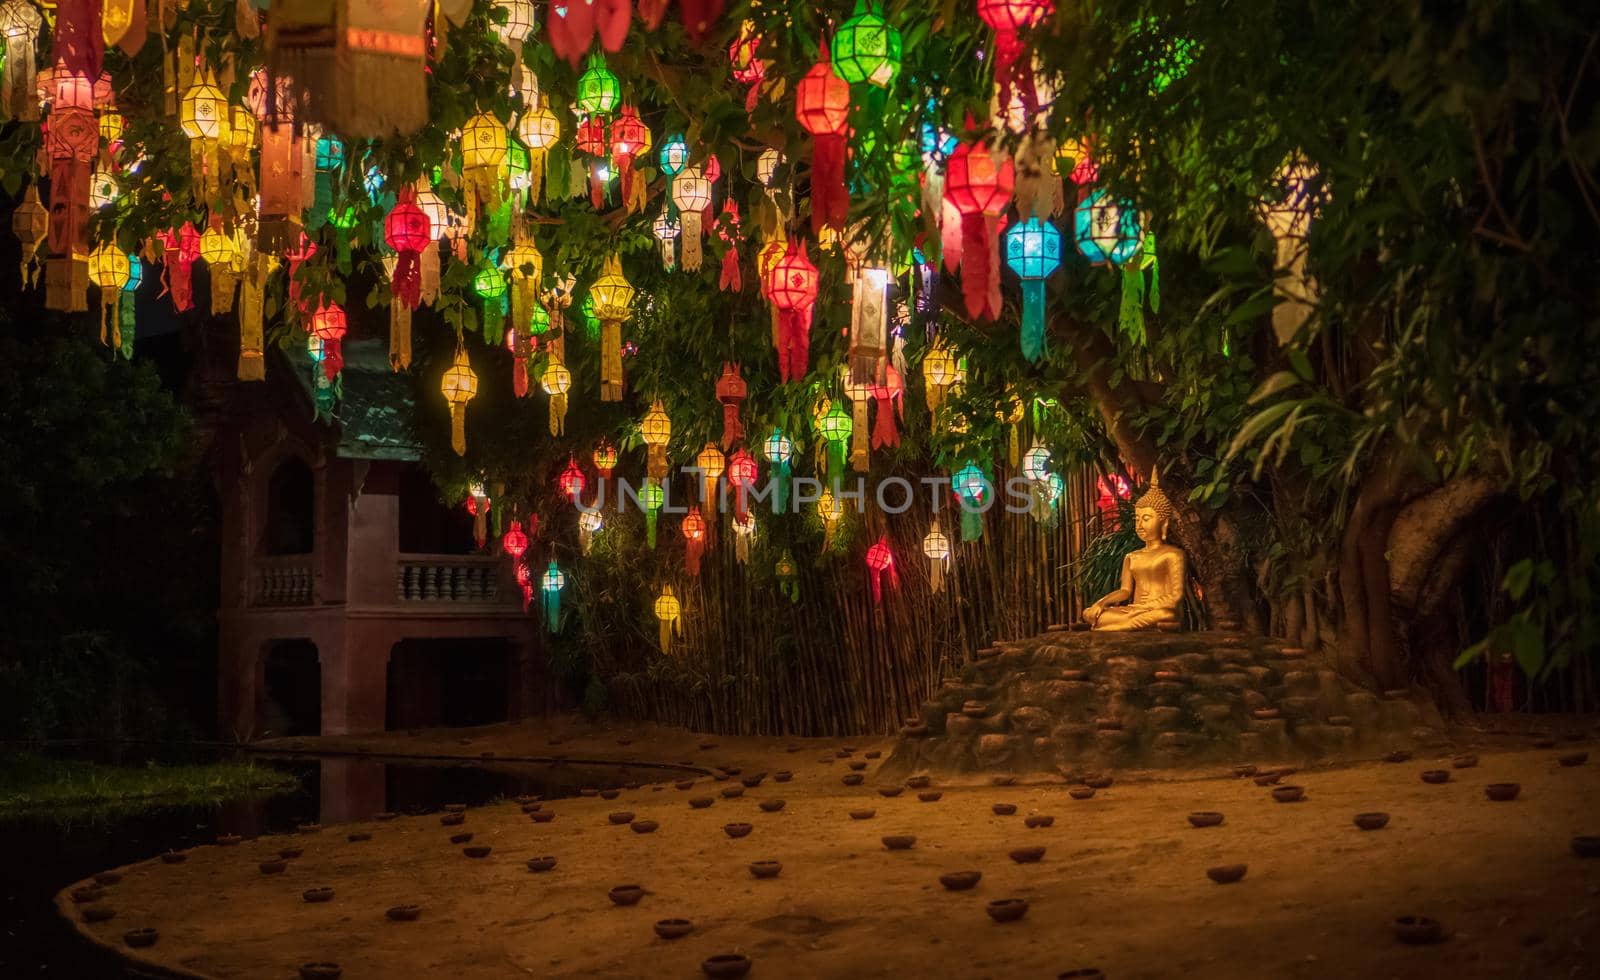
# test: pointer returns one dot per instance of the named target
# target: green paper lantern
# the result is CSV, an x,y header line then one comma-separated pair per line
x,y
867,49
490,282
599,92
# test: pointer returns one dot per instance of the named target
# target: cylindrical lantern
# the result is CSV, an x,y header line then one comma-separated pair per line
x,y
936,546
791,287
1033,252
613,304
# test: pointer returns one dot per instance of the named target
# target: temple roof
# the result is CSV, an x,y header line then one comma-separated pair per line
x,y
373,413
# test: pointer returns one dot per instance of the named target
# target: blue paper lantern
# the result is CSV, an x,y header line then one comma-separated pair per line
x,y
1107,229
1033,251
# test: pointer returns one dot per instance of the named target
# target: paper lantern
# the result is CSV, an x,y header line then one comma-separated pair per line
x,y
589,524
218,252
869,319
978,185
571,481
880,565
938,374
103,189
972,490
691,195
835,428
477,504
328,325
779,450
110,270
458,386
822,106
742,475
767,165
668,610
19,24
551,584
490,285
1289,208
731,389
605,458
788,575
1033,252
1036,463
667,231
711,464
556,382
1013,67
515,542
936,547
518,24
203,115
791,287
525,583
890,396
599,92
653,498
538,130
629,138
30,222
613,304
656,431
694,541
830,512
484,148
1107,229
748,69
866,48
674,154
744,528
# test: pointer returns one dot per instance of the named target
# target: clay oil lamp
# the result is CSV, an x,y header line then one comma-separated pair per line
x,y
890,791
626,894
1227,874
753,780
476,850
588,791
88,893
461,838
358,836
1241,772
1435,776
276,866
404,913
737,830
385,816
930,796
852,779
108,877
1268,779
1002,780
684,784
1372,821
1007,909
765,869
899,842
644,826
1573,759
1004,809
173,857
707,746
1205,818
858,766
732,792
1081,792
452,819
1027,855
1417,929
1398,755
1502,792
532,807
1097,781
620,817
1288,794
770,806
1544,743
1036,821
725,965
312,828
782,776
545,863
320,971
918,782
1586,847
674,928
229,840
610,794
863,814
140,938
960,881
874,754
701,802
316,896
542,816
1265,714
93,914
732,770
1464,762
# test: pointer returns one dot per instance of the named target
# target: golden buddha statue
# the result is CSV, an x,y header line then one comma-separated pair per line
x,y
1152,576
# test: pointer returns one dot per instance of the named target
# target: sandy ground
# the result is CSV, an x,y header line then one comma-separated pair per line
x,y
1122,886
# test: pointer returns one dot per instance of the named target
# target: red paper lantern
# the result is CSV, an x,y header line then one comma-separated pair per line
x,y
822,105
978,184
591,141
180,251
791,287
880,562
730,392
1013,66
408,232
742,474
328,325
515,542
629,138
571,481
730,279
694,540
890,397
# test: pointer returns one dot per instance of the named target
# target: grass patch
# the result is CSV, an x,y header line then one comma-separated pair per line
x,y
34,785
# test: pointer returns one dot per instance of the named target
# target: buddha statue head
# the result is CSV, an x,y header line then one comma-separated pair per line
x,y
1152,512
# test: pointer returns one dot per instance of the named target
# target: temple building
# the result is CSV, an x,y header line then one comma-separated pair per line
x,y
352,598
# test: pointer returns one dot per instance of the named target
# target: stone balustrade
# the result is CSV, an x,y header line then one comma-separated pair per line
x,y
443,578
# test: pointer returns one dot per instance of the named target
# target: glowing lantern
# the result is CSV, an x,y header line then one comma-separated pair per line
x,y
613,304
203,115
867,48
1009,414
605,458
1036,463
31,223
408,231
978,185
20,23
667,231
525,583
653,498
674,154
484,148
835,428
694,540
860,397
691,195
1013,69
515,542
779,450
731,389
936,546
791,287
556,382
571,481
490,285
518,24
599,92
103,189
458,386
668,610
880,563
938,374
728,231
742,474
767,165
629,138
972,489
822,105
788,574
830,512
478,506
890,397
711,464
748,69
656,431
1107,229
110,270
744,528
589,524
328,326
1033,252
538,130
551,584
218,252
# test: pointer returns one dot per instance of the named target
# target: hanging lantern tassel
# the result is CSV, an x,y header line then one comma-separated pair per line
x,y
860,430
791,286
889,398
668,612
779,450
125,310
731,389
743,530
252,355
936,546
654,498
979,183
742,474
880,563
822,106
1130,318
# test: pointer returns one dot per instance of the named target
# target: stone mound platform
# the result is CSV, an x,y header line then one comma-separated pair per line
x,y
1068,701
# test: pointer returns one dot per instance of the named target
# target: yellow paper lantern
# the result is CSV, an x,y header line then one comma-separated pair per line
x,y
110,269
216,248
613,304
668,611
203,114
556,382
459,385
712,464
483,142
656,431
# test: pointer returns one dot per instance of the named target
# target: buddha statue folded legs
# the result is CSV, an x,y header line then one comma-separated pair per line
x,y
1152,577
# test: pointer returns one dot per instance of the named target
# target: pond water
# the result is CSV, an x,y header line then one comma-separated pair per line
x,y
43,855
